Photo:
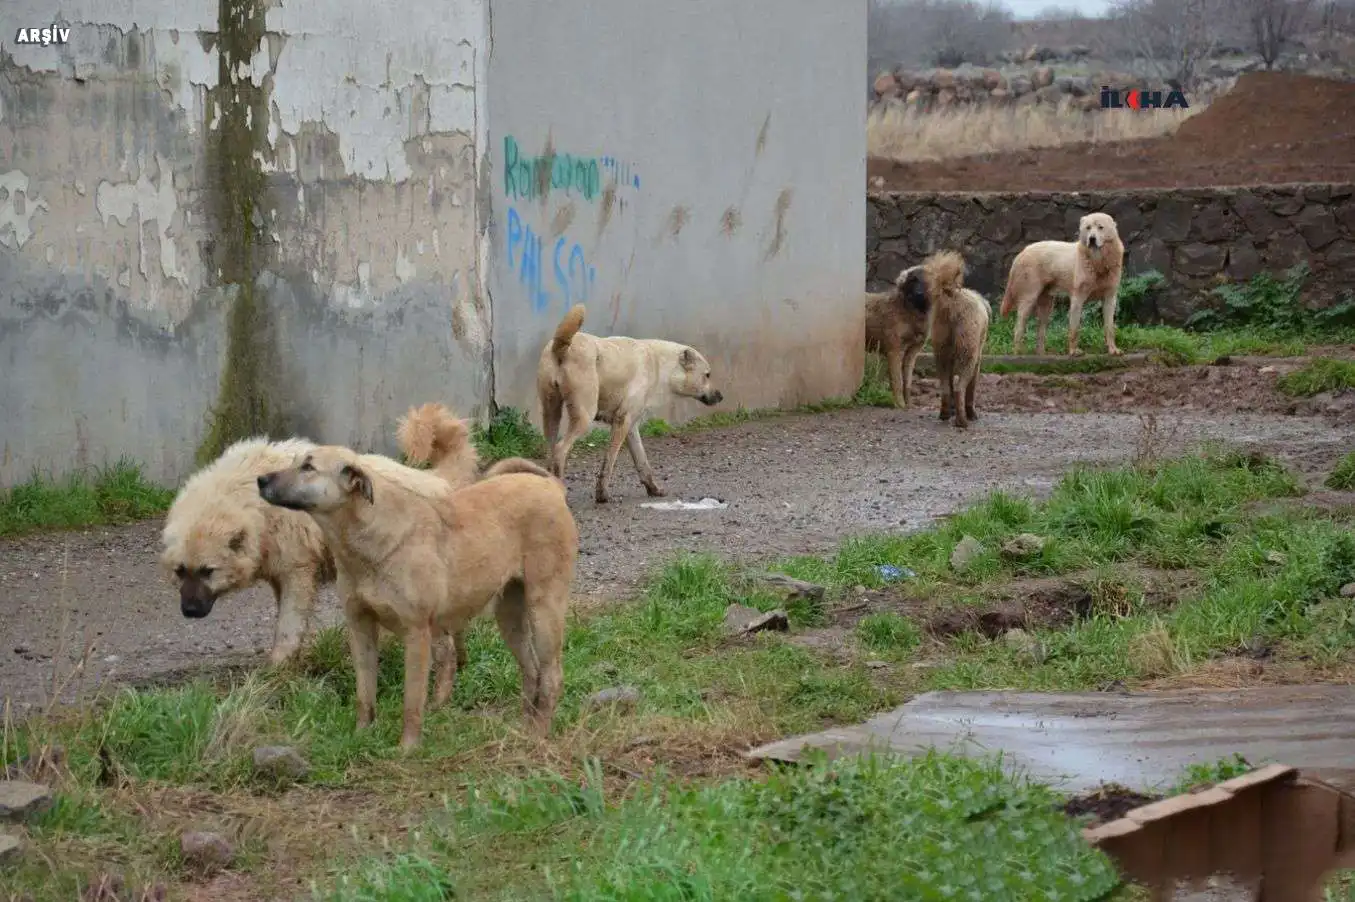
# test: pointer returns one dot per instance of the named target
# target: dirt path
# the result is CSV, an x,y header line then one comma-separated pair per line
x,y
794,484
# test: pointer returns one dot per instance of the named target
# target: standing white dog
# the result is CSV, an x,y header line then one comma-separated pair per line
x,y
1087,269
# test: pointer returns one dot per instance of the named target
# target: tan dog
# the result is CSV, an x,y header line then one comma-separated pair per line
x,y
220,536
420,558
613,380
958,320
896,326
1086,269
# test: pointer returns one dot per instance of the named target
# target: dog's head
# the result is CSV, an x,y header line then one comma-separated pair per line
x,y
911,289
324,480
1097,230
690,378
218,553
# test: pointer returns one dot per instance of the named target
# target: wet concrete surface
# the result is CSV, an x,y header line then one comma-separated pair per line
x,y
1143,741
794,485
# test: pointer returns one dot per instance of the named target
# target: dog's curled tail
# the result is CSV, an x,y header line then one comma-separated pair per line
x,y
516,465
945,272
565,332
432,435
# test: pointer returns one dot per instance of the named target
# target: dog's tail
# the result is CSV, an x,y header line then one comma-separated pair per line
x,y
945,272
516,465
432,435
565,332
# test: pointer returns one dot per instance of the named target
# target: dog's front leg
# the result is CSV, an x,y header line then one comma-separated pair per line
x,y
620,430
909,362
1075,302
295,594
451,658
363,632
894,361
418,662
1108,322
641,461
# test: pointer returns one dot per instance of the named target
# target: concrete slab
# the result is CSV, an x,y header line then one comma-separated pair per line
x,y
1145,741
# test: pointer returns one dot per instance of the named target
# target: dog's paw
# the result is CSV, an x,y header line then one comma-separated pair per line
x,y
971,414
655,491
601,497
1116,352
961,424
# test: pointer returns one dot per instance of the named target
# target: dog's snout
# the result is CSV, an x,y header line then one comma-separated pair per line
x,y
264,480
710,399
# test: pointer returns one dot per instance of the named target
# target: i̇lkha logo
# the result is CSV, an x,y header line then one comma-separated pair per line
x,y
1136,99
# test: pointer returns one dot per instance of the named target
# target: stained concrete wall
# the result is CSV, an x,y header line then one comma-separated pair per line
x,y
114,297
690,171
1197,238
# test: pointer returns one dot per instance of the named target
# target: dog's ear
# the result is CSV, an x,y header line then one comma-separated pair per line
x,y
354,480
237,542
687,359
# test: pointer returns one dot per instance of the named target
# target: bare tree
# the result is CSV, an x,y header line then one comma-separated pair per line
x,y
1172,37
935,32
1273,24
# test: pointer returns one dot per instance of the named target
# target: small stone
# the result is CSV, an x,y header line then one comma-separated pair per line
x,y
1023,546
777,620
738,616
624,697
10,847
1266,370
280,762
1277,558
20,799
1025,644
965,553
1348,590
206,852
877,665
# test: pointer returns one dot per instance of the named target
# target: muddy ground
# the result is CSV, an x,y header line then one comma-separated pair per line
x,y
1271,128
793,484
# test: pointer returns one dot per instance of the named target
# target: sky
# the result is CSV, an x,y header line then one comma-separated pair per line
x,y
1024,9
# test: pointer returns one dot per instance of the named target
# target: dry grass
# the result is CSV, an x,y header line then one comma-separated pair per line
x,y
909,135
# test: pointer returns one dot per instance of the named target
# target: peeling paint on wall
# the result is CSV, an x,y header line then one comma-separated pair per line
x,y
151,203
18,206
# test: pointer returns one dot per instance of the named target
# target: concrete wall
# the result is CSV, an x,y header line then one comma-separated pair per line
x,y
705,186
121,214
1197,238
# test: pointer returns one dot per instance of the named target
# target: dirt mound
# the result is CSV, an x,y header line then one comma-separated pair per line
x,y
1270,128
1110,802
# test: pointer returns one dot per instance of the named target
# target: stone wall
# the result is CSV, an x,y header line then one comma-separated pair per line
x,y
1197,238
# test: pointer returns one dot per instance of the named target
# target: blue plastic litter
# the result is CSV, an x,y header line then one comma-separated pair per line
x,y
889,573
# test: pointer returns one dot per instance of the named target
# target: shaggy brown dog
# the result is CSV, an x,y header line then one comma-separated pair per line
x,y
958,327
896,326
1086,269
613,380
420,558
220,536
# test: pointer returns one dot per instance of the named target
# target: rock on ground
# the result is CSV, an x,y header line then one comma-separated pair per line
x,y
20,799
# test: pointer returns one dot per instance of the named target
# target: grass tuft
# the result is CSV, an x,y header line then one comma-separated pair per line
x,y
110,496
1323,374
1342,478
509,433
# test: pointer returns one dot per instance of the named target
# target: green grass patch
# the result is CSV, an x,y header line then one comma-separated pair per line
x,y
109,496
509,433
1323,374
1342,477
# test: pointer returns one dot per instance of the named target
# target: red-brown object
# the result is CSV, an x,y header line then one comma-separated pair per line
x,y
1273,832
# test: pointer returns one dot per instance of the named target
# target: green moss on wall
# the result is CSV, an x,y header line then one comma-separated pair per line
x,y
248,402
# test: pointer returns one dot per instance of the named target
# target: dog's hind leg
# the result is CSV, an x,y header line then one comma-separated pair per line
x,y
451,658
1044,311
552,410
1108,322
962,401
295,593
511,614
970,387
363,632
1019,330
580,421
620,432
545,613
945,375
638,457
